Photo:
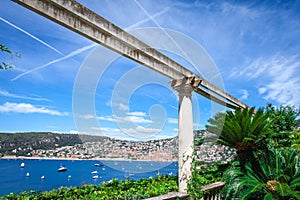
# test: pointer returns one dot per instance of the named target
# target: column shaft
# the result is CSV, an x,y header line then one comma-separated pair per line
x,y
185,135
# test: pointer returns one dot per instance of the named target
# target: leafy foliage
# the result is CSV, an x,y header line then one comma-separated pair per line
x,y
204,174
268,153
284,139
284,117
113,189
243,129
278,177
4,65
232,176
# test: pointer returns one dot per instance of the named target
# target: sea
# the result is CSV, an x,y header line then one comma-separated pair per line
x,y
43,174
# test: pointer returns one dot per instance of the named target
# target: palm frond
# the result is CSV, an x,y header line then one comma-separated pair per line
x,y
295,183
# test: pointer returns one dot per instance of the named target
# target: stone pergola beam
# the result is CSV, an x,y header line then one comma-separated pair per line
x,y
85,22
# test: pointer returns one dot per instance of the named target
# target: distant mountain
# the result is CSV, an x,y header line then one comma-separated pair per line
x,y
47,144
23,143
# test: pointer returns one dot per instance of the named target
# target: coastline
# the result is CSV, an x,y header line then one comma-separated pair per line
x,y
94,159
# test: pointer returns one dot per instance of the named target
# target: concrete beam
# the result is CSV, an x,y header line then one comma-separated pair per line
x,y
80,19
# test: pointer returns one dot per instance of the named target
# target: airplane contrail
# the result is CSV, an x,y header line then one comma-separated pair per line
x,y
147,19
73,53
167,34
87,47
32,36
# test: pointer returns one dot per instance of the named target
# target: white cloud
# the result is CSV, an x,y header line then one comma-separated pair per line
x,y
240,10
140,130
123,107
28,108
245,94
134,134
106,118
262,90
278,76
284,83
106,129
89,116
113,133
173,120
127,130
133,119
73,132
108,103
8,94
142,114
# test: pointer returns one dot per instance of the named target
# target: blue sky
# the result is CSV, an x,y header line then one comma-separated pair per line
x,y
254,46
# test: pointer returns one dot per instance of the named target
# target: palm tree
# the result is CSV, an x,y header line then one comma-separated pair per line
x,y
277,179
245,130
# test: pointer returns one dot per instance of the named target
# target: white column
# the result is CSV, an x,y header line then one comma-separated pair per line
x,y
185,135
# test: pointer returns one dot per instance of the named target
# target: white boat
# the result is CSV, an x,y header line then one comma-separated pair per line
x,y
27,174
128,175
95,172
62,169
42,177
98,164
95,177
69,177
22,165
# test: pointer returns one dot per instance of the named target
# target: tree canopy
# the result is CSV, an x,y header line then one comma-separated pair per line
x,y
285,117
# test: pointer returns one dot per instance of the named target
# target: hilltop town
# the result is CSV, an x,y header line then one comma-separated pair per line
x,y
52,146
108,148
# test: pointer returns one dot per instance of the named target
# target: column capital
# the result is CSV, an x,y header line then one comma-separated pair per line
x,y
185,86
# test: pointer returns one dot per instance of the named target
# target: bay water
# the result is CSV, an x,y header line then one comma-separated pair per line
x,y
14,178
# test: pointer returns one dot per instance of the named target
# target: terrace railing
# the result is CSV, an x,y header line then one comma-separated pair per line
x,y
212,191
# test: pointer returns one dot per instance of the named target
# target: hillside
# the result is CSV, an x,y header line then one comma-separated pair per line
x,y
54,145
46,144
24,143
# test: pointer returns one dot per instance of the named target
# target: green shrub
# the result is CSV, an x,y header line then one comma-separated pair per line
x,y
114,189
209,173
